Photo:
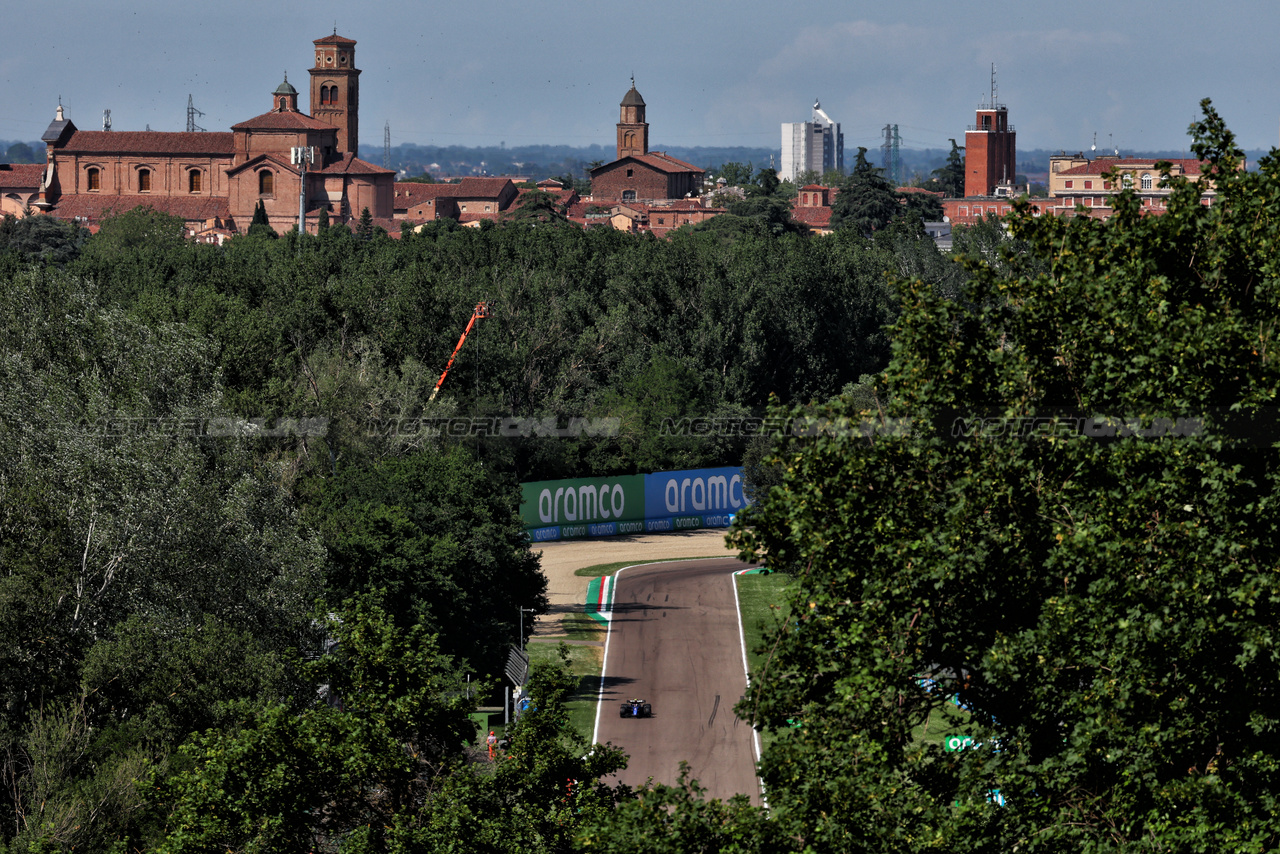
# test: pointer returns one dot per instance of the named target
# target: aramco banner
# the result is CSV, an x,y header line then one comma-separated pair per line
x,y
583,507
631,504
697,498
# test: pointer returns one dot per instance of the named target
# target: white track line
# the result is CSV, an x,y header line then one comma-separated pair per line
x,y
746,670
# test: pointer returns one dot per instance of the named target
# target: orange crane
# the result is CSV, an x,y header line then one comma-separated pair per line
x,y
481,312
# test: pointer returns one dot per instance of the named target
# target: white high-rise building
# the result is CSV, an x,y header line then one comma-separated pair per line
x,y
816,145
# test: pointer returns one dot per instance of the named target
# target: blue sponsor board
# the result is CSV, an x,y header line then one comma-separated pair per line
x,y
541,535
574,532
720,520
694,491
603,529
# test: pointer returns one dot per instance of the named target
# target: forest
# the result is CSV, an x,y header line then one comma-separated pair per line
x,y
247,603
217,471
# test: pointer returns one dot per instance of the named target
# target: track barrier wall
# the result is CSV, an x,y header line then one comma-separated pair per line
x,y
631,504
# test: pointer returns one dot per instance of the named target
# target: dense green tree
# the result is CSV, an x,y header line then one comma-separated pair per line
x,y
925,207
441,544
866,201
43,238
538,207
364,230
346,769
950,176
734,173
680,820
138,536
1096,589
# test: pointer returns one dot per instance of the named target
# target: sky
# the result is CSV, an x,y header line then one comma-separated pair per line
x,y
712,72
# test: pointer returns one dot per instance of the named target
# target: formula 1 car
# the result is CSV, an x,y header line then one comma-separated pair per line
x,y
635,709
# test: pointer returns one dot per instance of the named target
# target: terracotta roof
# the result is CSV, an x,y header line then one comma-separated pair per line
x,y
816,187
149,142
1190,166
283,120
334,39
921,190
482,188
819,217
21,176
661,160
97,207
352,165
406,194
655,160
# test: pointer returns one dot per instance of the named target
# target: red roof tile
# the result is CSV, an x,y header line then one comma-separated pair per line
x,y
334,39
482,188
21,176
149,142
283,120
813,217
1190,166
352,165
660,160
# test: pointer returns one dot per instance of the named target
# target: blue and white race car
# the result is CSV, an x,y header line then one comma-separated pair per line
x,y
635,708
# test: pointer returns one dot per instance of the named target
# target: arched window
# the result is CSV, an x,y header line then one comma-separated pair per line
x,y
93,180
144,180
1128,180
266,183
194,181
324,94
1146,181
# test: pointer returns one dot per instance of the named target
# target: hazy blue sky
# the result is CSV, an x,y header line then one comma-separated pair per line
x,y
713,72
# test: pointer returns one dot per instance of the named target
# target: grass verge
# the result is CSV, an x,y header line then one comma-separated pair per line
x,y
600,569
585,662
762,601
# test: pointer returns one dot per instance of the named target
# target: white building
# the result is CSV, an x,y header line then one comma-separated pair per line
x,y
816,145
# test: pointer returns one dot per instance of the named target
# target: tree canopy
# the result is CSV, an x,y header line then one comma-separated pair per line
x,y
1061,545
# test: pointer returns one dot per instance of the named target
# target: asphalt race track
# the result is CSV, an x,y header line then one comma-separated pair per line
x,y
674,641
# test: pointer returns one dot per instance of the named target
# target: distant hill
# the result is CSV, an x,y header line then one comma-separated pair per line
x,y
553,161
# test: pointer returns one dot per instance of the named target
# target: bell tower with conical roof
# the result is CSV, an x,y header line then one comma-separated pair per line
x,y
285,97
633,131
335,89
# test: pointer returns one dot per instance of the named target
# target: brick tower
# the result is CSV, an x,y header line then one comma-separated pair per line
x,y
335,90
633,131
990,153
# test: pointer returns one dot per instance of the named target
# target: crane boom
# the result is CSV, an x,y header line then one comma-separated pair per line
x,y
481,312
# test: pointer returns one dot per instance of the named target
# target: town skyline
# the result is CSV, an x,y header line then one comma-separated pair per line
x,y
713,74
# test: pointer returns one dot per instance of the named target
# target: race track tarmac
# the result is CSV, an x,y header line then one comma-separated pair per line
x,y
674,642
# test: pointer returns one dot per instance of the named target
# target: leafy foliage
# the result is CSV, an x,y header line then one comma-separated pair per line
x,y
1103,600
866,201
441,547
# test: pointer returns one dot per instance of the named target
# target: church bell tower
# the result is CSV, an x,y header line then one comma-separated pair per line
x,y
633,131
335,90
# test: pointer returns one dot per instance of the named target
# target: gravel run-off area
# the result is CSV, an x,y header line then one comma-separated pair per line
x,y
560,560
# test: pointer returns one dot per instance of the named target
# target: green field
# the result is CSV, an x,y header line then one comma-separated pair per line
x,y
585,662
762,601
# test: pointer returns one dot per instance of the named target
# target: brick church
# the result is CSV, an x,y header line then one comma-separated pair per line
x,y
215,180
638,174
